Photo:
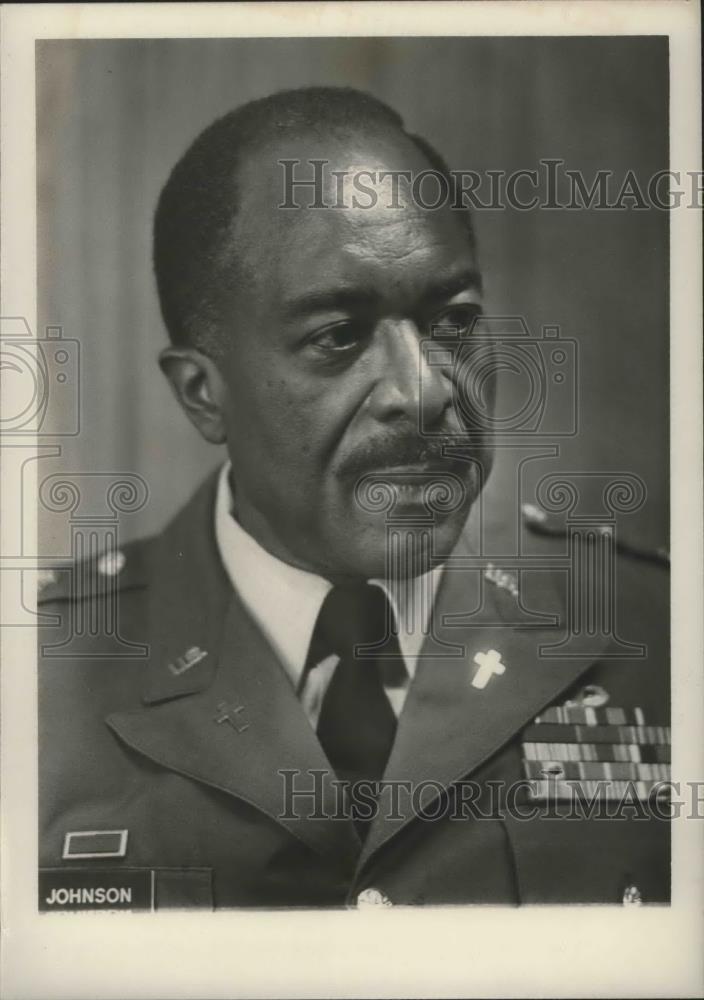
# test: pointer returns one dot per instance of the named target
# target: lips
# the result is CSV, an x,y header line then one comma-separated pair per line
x,y
423,470
405,456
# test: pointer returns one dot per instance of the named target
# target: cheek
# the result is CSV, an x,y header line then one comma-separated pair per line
x,y
279,409
273,426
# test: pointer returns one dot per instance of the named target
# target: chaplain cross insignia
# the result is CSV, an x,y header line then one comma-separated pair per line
x,y
228,713
489,664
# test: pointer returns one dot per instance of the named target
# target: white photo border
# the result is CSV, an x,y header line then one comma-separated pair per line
x,y
473,951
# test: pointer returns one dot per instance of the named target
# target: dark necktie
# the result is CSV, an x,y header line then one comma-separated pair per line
x,y
357,725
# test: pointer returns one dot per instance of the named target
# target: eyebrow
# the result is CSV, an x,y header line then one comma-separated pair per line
x,y
351,297
469,279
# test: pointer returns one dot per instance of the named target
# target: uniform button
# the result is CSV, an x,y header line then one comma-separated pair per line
x,y
632,896
373,897
111,563
45,578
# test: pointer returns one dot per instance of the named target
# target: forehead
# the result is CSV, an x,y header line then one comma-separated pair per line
x,y
388,248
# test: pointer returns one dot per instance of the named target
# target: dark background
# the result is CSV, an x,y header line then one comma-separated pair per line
x,y
113,117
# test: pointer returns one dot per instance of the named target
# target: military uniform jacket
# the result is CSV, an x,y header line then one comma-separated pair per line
x,y
176,760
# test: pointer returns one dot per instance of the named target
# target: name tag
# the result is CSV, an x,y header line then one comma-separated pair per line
x,y
78,889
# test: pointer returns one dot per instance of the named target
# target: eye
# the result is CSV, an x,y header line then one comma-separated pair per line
x,y
340,338
456,320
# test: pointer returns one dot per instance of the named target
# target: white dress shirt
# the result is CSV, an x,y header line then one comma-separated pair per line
x,y
285,602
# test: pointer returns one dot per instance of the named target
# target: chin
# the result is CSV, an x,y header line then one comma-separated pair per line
x,y
398,549
398,522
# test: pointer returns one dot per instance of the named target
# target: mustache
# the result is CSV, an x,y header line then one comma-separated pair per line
x,y
407,450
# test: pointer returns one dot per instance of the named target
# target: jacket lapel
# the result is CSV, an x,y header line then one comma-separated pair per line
x,y
448,727
229,718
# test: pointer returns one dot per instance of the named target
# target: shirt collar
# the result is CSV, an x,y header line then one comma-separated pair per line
x,y
285,601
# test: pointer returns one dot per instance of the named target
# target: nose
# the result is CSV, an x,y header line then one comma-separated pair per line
x,y
408,387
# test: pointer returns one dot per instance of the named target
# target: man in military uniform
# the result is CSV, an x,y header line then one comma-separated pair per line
x,y
333,688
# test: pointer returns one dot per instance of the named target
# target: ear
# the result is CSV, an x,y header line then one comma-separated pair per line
x,y
199,387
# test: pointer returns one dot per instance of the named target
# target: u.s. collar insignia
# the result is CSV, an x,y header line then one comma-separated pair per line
x,y
505,579
189,659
